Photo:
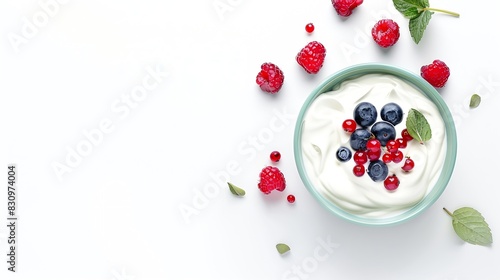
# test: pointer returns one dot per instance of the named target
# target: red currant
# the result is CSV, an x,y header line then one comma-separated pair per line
x,y
360,157
275,156
392,146
406,135
349,125
402,143
397,156
358,170
373,145
409,164
309,28
290,198
391,183
386,158
374,155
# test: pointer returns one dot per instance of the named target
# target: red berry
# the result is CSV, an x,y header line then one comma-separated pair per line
x,y
392,146
358,170
271,179
275,156
360,157
372,156
373,145
311,57
397,157
309,28
386,158
406,135
391,183
436,73
270,78
402,143
344,7
409,164
385,33
349,125
290,198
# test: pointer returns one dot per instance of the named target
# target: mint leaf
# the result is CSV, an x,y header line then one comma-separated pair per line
x,y
470,226
235,190
419,24
475,100
410,8
417,126
282,248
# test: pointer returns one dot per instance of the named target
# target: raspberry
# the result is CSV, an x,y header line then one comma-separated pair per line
x,y
270,78
271,179
385,33
345,7
311,57
436,73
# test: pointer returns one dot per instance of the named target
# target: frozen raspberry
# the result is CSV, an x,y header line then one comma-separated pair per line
x,y
311,57
385,33
345,7
270,78
436,73
271,179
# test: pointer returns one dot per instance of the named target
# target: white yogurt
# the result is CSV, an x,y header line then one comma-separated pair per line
x,y
322,135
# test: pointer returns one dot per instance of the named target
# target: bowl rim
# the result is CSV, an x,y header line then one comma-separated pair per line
x,y
425,88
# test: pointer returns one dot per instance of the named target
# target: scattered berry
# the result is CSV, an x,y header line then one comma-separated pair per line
x,y
391,183
374,155
344,154
406,135
392,112
377,170
386,158
345,7
373,145
408,165
385,33
402,143
309,28
311,57
397,156
358,170
365,114
270,78
359,138
384,132
271,179
290,198
392,146
436,73
275,156
360,157
349,125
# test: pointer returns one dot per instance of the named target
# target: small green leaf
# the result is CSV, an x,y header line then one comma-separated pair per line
x,y
470,226
419,24
235,190
282,248
418,127
410,8
475,100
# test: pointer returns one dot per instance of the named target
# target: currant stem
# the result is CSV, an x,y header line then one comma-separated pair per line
x,y
441,11
448,212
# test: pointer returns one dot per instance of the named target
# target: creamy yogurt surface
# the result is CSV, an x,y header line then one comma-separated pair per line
x,y
322,135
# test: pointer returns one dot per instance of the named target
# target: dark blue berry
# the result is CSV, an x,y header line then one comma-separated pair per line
x,y
365,114
392,112
384,132
344,154
359,138
377,170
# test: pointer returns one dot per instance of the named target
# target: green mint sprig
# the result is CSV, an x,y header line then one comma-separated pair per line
x,y
418,127
470,226
419,13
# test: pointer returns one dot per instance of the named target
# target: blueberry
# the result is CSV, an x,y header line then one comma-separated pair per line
x,y
377,170
359,138
365,114
384,132
392,112
344,154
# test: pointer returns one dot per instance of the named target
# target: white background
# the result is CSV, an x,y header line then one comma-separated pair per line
x,y
117,215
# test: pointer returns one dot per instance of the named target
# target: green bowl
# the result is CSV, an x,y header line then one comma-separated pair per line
x,y
425,88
